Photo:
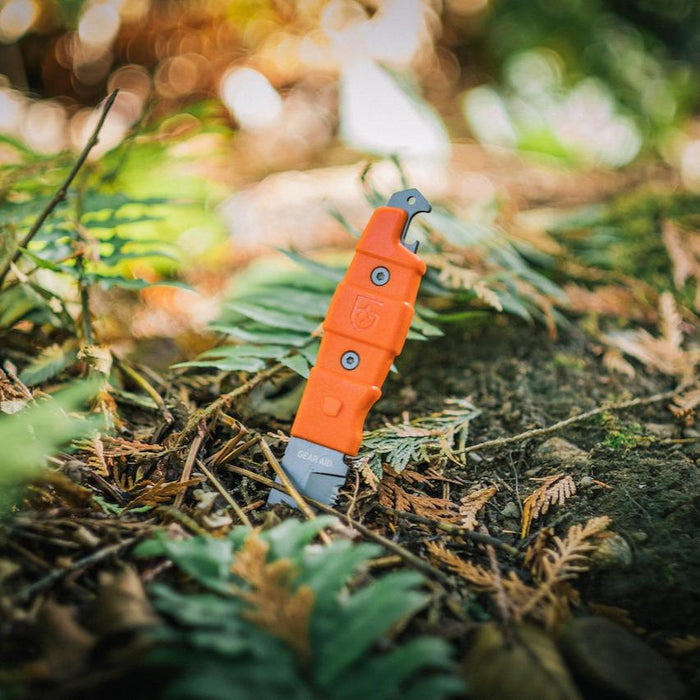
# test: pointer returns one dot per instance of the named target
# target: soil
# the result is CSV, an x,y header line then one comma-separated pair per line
x,y
639,467
522,379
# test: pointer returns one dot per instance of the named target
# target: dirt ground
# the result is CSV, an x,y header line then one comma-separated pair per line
x,y
637,466
521,379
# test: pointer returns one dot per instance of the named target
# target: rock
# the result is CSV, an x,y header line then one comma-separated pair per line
x,y
562,453
613,553
526,667
587,482
660,430
616,662
511,510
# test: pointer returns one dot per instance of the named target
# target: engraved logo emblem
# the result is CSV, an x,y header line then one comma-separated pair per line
x,y
365,313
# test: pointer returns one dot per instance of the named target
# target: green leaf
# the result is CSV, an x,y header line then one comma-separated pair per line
x,y
49,363
289,539
215,638
326,570
260,334
41,429
206,559
313,303
384,675
297,363
365,616
274,319
334,274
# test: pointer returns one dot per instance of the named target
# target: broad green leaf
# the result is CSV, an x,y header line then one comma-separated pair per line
x,y
311,303
233,364
327,569
256,333
288,540
206,559
385,674
334,274
237,351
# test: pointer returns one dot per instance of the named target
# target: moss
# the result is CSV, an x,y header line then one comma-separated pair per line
x,y
627,236
621,436
569,361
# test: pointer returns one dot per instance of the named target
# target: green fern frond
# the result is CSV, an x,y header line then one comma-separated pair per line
x,y
352,652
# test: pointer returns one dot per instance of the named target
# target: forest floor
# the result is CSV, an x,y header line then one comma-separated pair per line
x,y
545,487
636,466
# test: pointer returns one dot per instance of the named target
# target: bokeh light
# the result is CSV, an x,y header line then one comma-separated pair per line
x,y
16,18
250,98
99,24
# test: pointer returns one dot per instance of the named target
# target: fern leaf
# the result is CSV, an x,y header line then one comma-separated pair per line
x,y
474,574
50,361
273,604
472,503
554,490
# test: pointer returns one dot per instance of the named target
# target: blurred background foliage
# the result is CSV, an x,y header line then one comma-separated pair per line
x,y
242,126
581,80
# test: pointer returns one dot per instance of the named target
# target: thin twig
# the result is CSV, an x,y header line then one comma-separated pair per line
x,y
408,557
147,387
220,458
454,530
500,597
63,190
227,496
222,453
225,399
56,575
538,432
189,463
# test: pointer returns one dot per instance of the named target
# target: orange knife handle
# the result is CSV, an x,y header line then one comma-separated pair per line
x,y
365,329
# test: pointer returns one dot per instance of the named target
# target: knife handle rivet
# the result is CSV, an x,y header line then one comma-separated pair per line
x,y
380,276
350,359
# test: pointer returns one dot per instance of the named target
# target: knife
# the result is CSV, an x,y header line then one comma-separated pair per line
x,y
364,330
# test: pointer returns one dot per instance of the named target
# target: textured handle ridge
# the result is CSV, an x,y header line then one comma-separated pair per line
x,y
365,329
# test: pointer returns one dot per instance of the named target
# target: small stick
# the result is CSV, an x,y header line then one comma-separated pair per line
x,y
63,190
408,557
147,387
537,432
282,475
501,598
451,529
231,448
227,496
56,575
254,505
189,463
225,399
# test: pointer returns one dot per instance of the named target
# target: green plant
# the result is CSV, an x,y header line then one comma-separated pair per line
x,y
282,618
72,227
626,236
473,269
438,437
37,429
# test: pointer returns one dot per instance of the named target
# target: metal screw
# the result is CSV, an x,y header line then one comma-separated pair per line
x,y
380,276
350,359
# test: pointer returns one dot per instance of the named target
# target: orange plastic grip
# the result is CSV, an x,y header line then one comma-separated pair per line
x,y
365,329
